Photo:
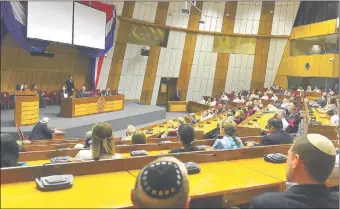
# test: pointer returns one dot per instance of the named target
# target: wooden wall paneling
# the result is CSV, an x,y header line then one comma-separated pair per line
x,y
152,63
262,45
189,51
223,58
315,29
120,46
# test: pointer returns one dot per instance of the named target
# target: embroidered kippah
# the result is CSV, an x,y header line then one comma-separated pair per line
x,y
161,180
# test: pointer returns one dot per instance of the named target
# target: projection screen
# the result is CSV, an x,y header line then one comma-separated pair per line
x,y
51,21
89,26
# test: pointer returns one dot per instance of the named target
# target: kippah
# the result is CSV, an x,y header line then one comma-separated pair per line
x,y
322,143
161,180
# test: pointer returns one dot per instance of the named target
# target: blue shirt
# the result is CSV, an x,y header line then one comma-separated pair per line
x,y
227,142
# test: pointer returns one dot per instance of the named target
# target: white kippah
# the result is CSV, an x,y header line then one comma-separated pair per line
x,y
322,143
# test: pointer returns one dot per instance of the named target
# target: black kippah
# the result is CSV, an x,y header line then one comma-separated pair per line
x,y
161,180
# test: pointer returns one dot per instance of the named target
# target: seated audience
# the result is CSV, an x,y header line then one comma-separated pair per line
x,y
309,89
334,118
237,99
181,121
259,102
171,129
224,97
186,136
265,96
102,144
63,92
229,140
285,103
138,137
322,100
253,95
82,92
274,98
106,92
239,116
88,139
193,118
281,114
162,184
208,102
213,103
41,131
282,91
276,134
242,100
129,132
276,87
202,101
9,151
317,89
310,162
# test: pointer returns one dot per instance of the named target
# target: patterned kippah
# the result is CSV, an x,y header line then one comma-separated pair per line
x,y
161,180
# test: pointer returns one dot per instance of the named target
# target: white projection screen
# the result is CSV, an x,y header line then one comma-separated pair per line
x,y
51,21
89,26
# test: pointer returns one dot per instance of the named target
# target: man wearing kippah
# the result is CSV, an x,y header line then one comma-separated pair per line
x,y
310,162
162,184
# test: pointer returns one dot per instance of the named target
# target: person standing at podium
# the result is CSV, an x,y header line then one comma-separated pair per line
x,y
70,86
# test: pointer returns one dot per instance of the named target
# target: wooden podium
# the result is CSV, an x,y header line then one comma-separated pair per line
x,y
26,110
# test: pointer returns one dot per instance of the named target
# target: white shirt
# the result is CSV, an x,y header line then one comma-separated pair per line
x,y
224,97
213,103
265,97
274,98
284,105
241,101
335,119
202,101
285,123
87,155
236,100
254,96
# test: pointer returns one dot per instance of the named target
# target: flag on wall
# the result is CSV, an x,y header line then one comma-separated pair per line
x,y
97,62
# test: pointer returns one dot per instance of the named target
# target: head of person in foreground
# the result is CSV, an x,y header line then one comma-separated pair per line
x,y
310,159
162,184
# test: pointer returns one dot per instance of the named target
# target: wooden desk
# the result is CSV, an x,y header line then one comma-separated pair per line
x,y
75,107
177,106
58,135
194,107
233,182
26,110
109,190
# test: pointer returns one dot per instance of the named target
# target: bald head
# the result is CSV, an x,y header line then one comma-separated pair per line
x,y
162,184
311,157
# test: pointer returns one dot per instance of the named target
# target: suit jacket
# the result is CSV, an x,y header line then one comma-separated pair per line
x,y
69,85
298,196
41,131
105,93
82,94
278,137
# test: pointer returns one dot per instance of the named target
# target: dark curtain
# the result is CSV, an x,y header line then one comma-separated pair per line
x,y
316,11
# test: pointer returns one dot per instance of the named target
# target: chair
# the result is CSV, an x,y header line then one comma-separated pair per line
x,y
10,100
45,98
21,134
54,97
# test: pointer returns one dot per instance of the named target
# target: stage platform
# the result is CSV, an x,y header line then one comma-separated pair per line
x,y
133,114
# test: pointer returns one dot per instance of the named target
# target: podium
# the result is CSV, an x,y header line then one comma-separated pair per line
x,y
26,110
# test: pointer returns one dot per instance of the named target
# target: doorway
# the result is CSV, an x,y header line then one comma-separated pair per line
x,y
167,90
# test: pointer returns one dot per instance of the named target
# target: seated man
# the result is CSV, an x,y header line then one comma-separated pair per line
x,y
310,162
106,92
41,131
82,92
322,100
162,184
276,134
187,137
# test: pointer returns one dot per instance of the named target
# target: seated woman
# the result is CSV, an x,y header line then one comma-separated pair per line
x,y
237,99
202,101
229,140
224,97
265,96
9,152
214,102
208,102
129,132
186,136
259,102
281,114
171,129
274,98
253,95
242,100
63,92
239,116
138,137
102,144
285,103
250,110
